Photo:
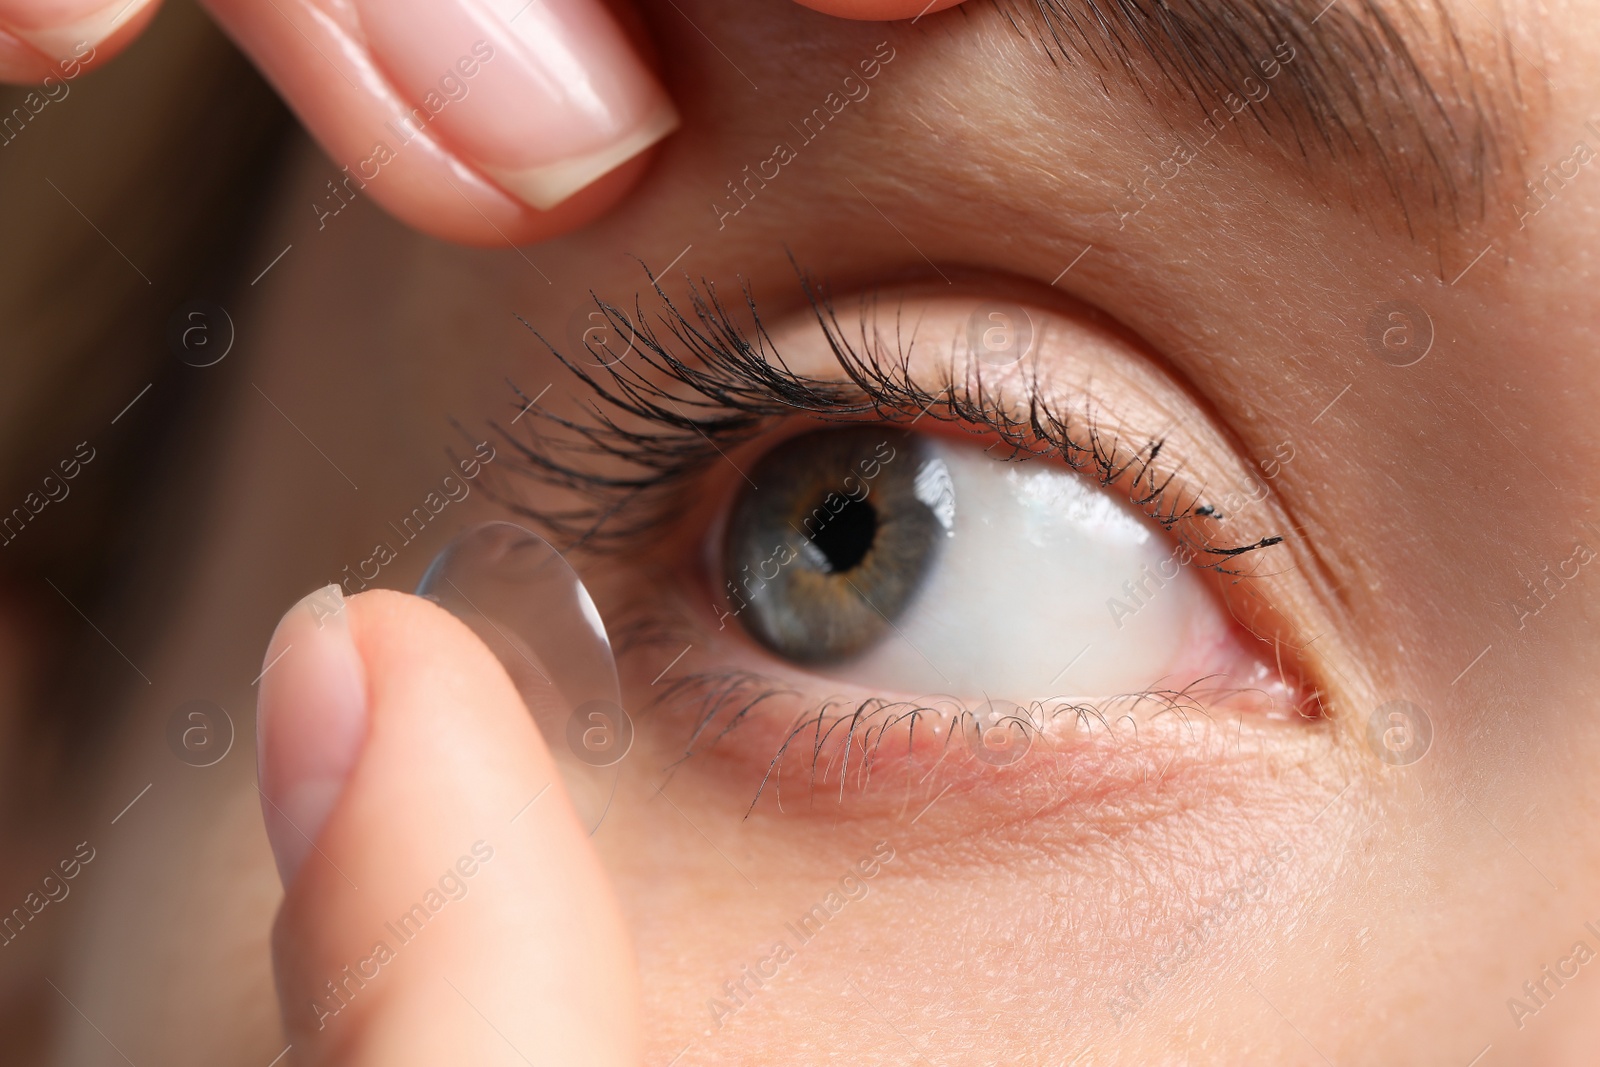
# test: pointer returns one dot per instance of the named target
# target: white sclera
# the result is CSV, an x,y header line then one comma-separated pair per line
x,y
531,608
1040,568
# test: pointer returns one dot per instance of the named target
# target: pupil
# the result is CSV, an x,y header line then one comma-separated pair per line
x,y
846,538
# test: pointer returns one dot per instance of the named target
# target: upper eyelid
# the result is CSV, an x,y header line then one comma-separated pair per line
x,y
739,386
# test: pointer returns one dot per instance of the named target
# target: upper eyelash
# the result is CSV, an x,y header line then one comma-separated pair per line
x,y
738,384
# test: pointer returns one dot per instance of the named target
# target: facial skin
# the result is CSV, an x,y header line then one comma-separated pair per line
x,y
1356,912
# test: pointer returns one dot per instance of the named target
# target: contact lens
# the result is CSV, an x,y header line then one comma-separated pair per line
x,y
530,607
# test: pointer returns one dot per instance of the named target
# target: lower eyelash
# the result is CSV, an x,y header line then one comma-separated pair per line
x,y
841,731
667,419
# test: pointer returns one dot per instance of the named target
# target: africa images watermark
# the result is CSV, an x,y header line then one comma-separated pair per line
x,y
452,490
1543,192
52,490
856,489
1139,593
353,978
52,90
1540,990
1553,580
453,87
53,889
1136,992
1232,105
855,91
738,992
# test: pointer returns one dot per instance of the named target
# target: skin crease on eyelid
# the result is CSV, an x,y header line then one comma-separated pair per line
x,y
1414,901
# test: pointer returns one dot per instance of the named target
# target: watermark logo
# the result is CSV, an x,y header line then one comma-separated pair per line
x,y
999,732
1399,733
1400,333
200,333
1000,334
600,733
595,336
200,733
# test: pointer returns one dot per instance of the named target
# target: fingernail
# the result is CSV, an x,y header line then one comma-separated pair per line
x,y
543,96
311,722
63,29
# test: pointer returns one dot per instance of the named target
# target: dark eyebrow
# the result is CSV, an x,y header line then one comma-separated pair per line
x,y
1356,94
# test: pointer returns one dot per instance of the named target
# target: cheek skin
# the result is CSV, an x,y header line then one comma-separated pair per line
x,y
977,918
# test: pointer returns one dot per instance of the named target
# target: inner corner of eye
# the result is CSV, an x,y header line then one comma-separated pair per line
x,y
912,564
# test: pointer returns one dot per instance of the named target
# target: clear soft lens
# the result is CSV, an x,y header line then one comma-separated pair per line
x,y
531,608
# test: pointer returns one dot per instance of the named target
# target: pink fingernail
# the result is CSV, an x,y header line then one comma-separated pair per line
x,y
311,721
543,96
67,29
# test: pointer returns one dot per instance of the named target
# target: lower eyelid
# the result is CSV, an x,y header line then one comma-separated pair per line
x,y
1119,763
720,710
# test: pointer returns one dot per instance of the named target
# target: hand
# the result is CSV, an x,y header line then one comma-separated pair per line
x,y
433,914
479,121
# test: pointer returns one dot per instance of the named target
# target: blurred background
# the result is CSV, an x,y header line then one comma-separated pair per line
x,y
126,199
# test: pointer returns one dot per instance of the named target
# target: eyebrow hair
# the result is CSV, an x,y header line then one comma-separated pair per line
x,y
1356,94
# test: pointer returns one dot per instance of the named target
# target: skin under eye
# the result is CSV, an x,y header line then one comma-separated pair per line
x,y
916,563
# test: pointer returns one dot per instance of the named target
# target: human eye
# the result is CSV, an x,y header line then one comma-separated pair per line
x,y
918,563
887,557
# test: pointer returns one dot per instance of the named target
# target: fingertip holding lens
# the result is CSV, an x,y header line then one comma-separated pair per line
x,y
530,607
311,723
